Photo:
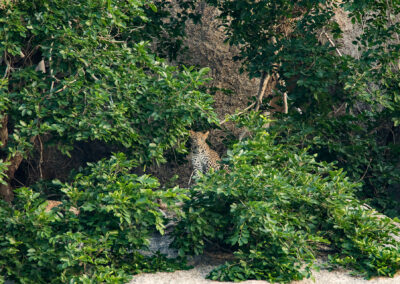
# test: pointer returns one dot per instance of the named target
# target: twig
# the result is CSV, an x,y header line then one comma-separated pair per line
x,y
336,112
261,85
265,79
241,112
285,103
261,91
41,157
28,55
111,40
65,86
6,72
20,182
363,176
3,131
94,77
190,178
393,135
332,43
50,63
8,65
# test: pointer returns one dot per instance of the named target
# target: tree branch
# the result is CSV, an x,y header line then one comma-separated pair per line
x,y
332,43
261,90
3,131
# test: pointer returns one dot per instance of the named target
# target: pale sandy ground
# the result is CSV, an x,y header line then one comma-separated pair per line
x,y
198,274
204,264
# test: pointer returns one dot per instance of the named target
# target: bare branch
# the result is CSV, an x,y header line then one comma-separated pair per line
x,y
65,86
332,43
8,68
50,64
241,112
3,131
41,157
261,91
285,104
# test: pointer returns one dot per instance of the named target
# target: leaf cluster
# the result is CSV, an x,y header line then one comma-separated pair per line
x,y
348,105
96,80
350,142
275,208
118,212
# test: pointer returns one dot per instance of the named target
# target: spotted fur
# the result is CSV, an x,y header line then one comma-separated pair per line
x,y
203,157
53,203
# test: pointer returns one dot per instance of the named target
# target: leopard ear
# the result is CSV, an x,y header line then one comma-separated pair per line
x,y
206,134
191,132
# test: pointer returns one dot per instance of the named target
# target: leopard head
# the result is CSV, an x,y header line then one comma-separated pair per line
x,y
198,138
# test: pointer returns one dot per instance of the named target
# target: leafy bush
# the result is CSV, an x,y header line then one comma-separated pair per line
x,y
118,213
166,26
3,170
95,84
81,71
350,105
347,140
274,208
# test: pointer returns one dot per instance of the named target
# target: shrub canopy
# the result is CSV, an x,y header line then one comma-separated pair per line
x,y
275,207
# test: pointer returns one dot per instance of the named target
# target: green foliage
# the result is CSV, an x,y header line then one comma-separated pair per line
x,y
4,101
118,214
99,83
3,170
284,37
376,77
82,71
166,25
350,106
351,145
275,206
281,37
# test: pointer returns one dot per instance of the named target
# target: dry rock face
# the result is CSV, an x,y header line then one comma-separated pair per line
x,y
207,49
350,32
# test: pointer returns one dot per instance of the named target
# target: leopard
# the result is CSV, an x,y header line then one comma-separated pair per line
x,y
53,203
203,157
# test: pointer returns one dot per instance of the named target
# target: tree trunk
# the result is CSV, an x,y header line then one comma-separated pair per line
x,y
6,190
13,162
3,131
